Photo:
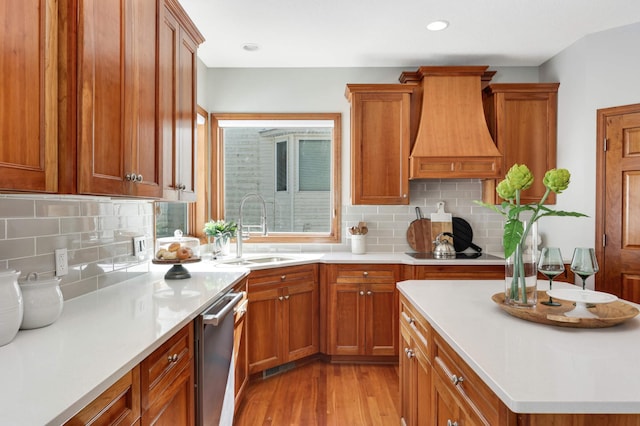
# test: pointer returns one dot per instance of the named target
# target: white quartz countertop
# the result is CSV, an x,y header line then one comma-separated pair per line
x,y
49,374
533,368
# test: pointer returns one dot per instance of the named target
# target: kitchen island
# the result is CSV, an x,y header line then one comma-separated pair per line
x,y
536,369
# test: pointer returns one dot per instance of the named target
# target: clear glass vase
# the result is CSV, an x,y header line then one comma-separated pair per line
x,y
521,270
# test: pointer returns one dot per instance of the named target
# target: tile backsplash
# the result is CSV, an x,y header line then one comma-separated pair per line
x,y
96,231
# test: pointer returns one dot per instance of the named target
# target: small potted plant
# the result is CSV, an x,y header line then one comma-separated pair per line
x,y
221,232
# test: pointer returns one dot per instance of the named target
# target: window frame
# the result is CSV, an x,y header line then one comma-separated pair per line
x,y
217,175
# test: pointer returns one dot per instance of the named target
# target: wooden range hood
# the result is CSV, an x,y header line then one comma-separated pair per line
x,y
452,139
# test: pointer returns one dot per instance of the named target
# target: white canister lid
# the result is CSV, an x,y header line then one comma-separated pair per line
x,y
33,279
12,272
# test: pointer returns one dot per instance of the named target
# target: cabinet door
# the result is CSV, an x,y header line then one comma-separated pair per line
x,y
380,127
117,139
241,356
346,319
177,68
103,151
175,407
522,121
406,377
445,408
264,326
28,105
381,335
301,320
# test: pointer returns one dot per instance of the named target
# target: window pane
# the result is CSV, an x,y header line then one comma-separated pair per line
x,y
314,165
281,166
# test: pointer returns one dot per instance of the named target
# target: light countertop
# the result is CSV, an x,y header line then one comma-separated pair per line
x,y
50,373
533,368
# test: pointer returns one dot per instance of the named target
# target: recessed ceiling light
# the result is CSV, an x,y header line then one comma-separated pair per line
x,y
437,25
250,47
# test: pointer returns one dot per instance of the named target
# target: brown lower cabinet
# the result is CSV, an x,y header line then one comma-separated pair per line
x,y
282,317
240,352
437,387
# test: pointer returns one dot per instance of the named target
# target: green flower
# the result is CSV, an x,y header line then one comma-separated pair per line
x,y
505,191
557,180
519,177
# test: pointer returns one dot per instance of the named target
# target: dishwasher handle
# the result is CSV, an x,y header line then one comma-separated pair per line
x,y
216,318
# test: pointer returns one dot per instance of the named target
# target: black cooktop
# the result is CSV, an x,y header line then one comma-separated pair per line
x,y
463,256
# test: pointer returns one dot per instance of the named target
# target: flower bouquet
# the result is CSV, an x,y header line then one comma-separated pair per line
x,y
221,231
518,179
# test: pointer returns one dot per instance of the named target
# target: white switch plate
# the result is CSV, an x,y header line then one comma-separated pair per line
x,y
62,263
139,245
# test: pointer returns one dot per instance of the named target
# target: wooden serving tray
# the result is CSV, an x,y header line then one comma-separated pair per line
x,y
608,314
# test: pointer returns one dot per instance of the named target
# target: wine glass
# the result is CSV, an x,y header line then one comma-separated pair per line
x,y
584,263
551,265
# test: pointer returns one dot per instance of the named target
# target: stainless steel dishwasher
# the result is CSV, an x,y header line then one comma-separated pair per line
x,y
214,362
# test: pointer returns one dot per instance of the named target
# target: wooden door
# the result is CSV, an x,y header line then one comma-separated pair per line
x,y
103,150
445,407
140,109
380,127
28,104
300,320
346,319
618,202
422,390
406,375
264,320
381,319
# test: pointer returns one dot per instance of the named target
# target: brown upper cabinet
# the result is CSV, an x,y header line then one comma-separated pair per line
x,y
522,119
118,144
177,66
380,142
28,114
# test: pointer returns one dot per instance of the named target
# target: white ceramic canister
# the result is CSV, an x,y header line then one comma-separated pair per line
x,y
11,305
42,301
358,244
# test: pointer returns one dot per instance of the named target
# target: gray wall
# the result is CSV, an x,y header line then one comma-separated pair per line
x,y
599,71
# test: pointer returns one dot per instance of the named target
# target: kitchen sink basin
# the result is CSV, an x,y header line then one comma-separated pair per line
x,y
256,261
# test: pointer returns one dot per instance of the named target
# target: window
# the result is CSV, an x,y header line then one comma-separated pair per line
x,y
292,161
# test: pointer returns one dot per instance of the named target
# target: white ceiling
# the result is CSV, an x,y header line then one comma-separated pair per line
x,y
392,33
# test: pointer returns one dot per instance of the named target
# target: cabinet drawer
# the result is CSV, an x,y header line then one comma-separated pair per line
x,y
165,364
278,276
464,383
420,328
363,273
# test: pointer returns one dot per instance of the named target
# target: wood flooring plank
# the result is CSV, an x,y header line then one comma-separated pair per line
x,y
324,394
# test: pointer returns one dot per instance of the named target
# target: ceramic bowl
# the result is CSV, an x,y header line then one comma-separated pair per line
x,y
10,320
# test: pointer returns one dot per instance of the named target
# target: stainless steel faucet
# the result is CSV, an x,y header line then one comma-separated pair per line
x,y
241,226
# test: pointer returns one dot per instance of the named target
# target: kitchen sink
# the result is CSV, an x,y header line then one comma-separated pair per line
x,y
257,261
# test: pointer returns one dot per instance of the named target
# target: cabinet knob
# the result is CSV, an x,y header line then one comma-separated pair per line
x,y
283,277
404,195
280,298
369,293
409,353
129,177
287,297
456,380
139,178
450,423
365,274
172,358
361,292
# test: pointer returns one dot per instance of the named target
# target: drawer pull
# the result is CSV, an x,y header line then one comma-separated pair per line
x,y
456,380
283,277
172,358
409,353
450,423
365,274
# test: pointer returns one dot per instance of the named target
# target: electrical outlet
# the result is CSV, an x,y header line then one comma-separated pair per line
x,y
62,263
139,245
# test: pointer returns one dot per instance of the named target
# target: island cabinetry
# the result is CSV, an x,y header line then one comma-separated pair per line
x,y
283,315
28,109
380,142
362,310
117,142
167,382
522,119
415,368
118,405
177,66
240,354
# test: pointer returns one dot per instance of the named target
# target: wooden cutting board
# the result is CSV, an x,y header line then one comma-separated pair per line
x,y
419,234
441,222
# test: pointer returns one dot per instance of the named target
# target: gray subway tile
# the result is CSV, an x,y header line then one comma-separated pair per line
x,y
57,208
18,228
16,248
11,207
78,224
50,243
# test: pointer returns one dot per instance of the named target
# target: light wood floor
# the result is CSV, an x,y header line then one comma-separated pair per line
x,y
324,394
